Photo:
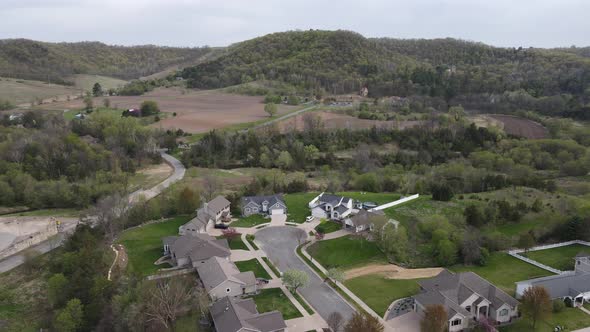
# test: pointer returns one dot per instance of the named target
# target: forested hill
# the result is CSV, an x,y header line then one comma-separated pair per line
x,y
342,61
27,59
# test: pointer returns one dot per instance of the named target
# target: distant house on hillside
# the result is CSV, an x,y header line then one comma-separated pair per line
x,y
267,205
214,212
241,315
221,278
194,250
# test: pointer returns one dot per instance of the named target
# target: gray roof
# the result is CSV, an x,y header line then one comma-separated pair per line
x,y
330,199
231,315
452,289
216,270
258,200
563,285
197,247
217,204
365,217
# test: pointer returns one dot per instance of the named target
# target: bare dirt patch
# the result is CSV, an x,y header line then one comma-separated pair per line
x,y
521,127
150,176
333,120
392,271
197,111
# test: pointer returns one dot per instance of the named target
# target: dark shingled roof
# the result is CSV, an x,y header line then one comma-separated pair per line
x,y
231,315
198,247
272,200
217,204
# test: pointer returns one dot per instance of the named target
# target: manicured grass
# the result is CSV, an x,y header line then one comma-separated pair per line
x,y
254,266
47,213
235,243
250,239
379,292
297,206
144,244
346,252
271,299
570,318
424,206
272,266
250,221
379,198
329,226
303,303
561,258
504,270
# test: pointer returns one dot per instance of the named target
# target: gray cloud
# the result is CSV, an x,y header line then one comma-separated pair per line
x,y
540,23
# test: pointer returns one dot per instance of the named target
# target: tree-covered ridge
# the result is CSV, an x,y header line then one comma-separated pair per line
x,y
27,59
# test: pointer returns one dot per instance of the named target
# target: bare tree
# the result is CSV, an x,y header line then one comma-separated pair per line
x,y
536,304
335,321
210,186
109,213
312,122
202,298
167,299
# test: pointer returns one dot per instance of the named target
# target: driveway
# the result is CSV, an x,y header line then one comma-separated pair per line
x,y
409,322
279,244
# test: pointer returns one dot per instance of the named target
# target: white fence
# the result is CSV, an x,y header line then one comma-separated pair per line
x,y
398,202
516,253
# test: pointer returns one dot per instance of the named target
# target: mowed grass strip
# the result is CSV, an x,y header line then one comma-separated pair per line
x,y
561,258
346,252
254,266
504,271
272,266
144,244
379,292
271,299
235,243
328,226
250,221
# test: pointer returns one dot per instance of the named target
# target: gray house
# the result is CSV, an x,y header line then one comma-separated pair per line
x,y
214,212
363,221
466,298
574,285
333,206
222,278
240,315
267,205
194,250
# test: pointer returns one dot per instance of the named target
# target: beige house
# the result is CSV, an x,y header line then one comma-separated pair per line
x,y
241,315
222,278
194,250
214,212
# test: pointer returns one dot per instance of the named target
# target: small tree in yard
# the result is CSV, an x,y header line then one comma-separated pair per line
x,y
363,322
335,274
271,109
526,241
435,319
536,304
149,107
335,321
167,299
97,90
294,279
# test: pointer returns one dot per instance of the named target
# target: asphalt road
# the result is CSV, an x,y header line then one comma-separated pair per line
x,y
279,244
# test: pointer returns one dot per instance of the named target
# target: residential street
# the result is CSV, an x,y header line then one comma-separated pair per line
x,y
280,243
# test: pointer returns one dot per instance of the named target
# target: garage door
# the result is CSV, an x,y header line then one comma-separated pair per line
x,y
277,211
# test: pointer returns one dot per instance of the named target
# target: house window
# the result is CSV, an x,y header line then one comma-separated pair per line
x,y
456,322
468,308
247,210
227,290
255,209
503,312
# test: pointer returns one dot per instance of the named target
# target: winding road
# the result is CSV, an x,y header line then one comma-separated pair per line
x,y
17,259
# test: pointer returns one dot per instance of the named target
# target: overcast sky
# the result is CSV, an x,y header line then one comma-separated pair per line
x,y
539,23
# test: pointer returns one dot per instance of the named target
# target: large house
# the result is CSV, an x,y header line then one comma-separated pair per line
x,y
266,205
466,297
333,206
194,250
240,315
363,220
214,212
222,278
574,285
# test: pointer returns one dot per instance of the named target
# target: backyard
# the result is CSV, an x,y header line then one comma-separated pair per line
x,y
250,221
254,266
379,292
297,206
346,252
328,226
561,258
144,244
235,242
570,319
271,299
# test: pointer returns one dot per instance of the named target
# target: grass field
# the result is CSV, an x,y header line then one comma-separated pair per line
x,y
504,271
250,221
254,266
19,91
346,252
144,244
149,176
570,318
86,82
379,198
561,258
329,226
271,299
425,206
378,292
297,206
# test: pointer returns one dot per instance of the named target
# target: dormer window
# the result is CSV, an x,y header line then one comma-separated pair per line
x,y
468,308
456,322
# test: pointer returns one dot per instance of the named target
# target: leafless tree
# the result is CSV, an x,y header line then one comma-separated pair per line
x,y
312,122
210,186
168,299
202,298
335,321
109,213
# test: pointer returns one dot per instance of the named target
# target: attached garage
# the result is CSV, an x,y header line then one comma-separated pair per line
x,y
277,211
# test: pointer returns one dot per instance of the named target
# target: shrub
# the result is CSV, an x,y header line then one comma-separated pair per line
x,y
558,306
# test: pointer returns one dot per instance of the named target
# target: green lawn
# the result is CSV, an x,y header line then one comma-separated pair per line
x,y
250,221
271,299
236,243
561,258
379,198
272,266
424,206
190,323
254,266
329,226
346,252
144,244
570,318
297,206
504,270
379,292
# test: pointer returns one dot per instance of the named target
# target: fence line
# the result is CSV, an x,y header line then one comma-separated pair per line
x,y
399,201
516,253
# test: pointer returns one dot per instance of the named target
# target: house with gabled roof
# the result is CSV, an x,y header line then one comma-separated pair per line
x,y
266,205
221,277
194,250
333,206
213,212
466,298
241,315
573,285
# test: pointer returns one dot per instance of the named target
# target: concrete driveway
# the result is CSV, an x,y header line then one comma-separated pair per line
x,y
279,244
409,322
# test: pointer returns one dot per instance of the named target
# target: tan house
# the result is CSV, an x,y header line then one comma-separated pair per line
x,y
222,278
214,212
241,315
194,250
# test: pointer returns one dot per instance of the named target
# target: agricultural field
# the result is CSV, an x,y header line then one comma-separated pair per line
x,y
86,82
196,111
19,91
561,258
346,252
521,127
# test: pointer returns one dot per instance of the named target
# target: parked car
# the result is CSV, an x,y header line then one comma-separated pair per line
x,y
221,226
309,219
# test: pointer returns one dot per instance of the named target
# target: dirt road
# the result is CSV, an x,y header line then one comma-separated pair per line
x,y
392,271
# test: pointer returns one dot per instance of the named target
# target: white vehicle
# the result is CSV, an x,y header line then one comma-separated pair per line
x,y
309,219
